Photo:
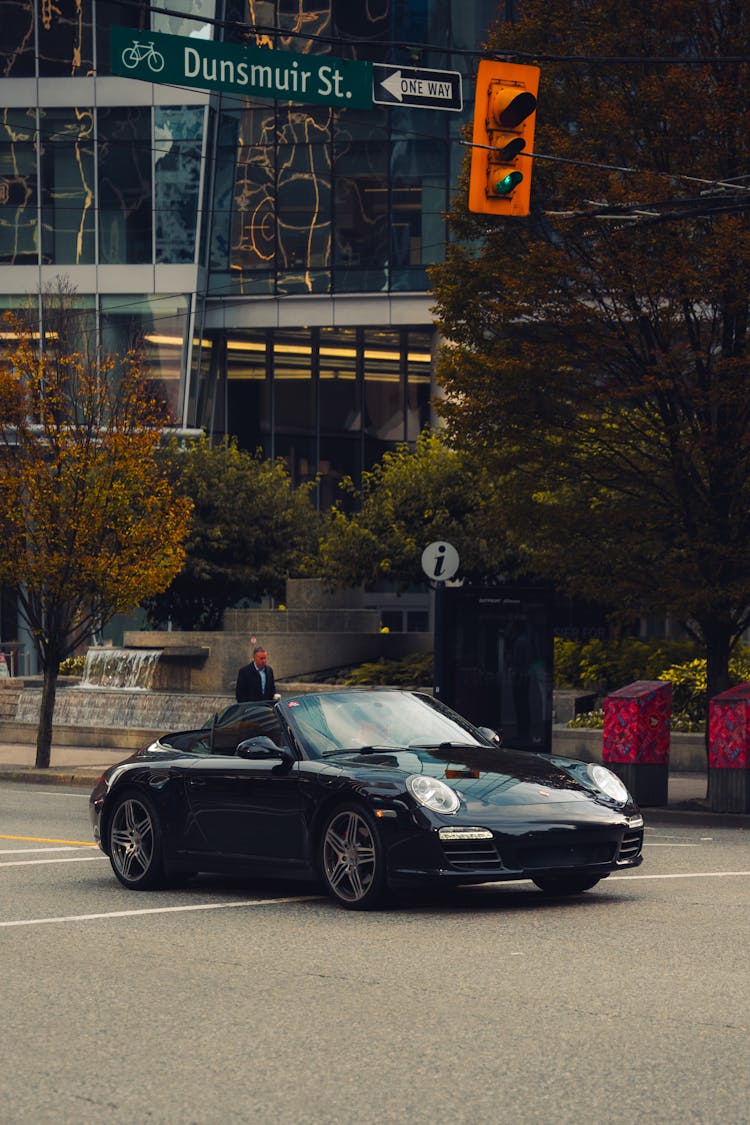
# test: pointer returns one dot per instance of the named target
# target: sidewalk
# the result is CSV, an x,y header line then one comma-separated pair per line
x,y
81,766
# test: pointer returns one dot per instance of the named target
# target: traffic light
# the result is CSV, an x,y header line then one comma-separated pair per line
x,y
504,117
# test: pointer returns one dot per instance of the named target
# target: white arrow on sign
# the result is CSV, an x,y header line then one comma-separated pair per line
x,y
397,86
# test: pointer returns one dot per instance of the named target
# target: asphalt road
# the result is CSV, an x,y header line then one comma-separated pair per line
x,y
247,1002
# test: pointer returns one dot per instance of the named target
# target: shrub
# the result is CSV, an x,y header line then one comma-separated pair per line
x,y
72,666
415,670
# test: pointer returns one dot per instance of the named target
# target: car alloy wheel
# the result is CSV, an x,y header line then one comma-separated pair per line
x,y
352,858
135,848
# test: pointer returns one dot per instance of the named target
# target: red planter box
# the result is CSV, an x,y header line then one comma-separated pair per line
x,y
729,750
729,729
636,724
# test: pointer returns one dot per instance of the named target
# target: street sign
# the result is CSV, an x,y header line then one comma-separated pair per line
x,y
258,72
415,87
440,561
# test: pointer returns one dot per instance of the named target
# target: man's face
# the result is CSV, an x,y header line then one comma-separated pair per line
x,y
261,658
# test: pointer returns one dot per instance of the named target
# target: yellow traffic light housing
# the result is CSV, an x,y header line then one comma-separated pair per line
x,y
504,118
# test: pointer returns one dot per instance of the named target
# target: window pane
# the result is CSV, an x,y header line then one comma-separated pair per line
x,y
249,402
17,40
177,156
418,383
125,185
67,161
65,38
340,411
158,325
294,401
384,417
18,187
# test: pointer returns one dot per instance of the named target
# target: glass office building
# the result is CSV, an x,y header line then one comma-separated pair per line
x,y
270,257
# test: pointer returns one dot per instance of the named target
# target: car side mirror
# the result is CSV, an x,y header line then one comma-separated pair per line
x,y
261,748
492,735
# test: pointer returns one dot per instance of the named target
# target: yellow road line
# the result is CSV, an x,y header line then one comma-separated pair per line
x,y
47,840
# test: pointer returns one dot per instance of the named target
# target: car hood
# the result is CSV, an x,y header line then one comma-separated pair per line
x,y
483,778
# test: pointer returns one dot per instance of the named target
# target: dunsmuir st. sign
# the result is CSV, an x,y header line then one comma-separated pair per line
x,y
258,72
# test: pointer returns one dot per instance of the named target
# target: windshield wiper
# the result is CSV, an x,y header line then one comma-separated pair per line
x,y
448,746
364,750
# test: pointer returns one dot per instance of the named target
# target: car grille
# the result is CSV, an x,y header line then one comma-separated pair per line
x,y
630,848
535,857
469,854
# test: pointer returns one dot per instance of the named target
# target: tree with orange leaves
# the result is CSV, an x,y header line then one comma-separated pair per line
x,y
89,524
599,355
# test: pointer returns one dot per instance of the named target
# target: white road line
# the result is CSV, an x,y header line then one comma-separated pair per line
x,y
22,851
158,910
37,862
688,875
650,844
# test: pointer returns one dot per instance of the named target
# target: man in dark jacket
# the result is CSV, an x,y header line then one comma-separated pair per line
x,y
255,680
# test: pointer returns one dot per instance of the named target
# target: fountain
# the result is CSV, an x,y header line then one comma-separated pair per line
x,y
120,668
125,698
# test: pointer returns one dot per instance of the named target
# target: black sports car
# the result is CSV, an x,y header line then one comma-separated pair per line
x,y
366,790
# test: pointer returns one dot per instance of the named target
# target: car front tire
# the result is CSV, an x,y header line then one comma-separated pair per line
x,y
135,843
352,862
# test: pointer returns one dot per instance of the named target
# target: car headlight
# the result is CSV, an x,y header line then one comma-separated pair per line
x,y
433,793
609,783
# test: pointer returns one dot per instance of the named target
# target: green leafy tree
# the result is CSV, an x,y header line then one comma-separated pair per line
x,y
598,352
251,528
88,520
411,498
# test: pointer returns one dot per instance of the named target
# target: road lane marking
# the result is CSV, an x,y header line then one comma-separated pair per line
x,y
37,862
23,851
159,910
687,875
51,840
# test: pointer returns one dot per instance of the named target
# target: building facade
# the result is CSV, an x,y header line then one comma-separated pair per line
x,y
270,256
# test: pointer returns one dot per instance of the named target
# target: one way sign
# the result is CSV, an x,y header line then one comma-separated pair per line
x,y
412,86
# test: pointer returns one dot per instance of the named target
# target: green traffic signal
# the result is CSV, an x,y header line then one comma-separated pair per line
x,y
508,183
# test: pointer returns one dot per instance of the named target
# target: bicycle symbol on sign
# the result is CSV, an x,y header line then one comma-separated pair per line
x,y
143,52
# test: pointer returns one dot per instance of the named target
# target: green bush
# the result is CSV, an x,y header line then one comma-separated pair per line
x,y
72,666
415,670
603,666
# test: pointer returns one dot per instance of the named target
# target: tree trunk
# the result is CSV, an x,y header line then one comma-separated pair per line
x,y
46,712
717,636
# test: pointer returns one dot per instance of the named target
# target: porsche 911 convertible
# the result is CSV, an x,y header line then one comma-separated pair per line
x,y
364,790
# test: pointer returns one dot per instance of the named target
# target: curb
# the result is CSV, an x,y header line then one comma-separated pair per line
x,y
52,776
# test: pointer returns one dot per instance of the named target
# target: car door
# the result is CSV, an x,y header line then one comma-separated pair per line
x,y
248,809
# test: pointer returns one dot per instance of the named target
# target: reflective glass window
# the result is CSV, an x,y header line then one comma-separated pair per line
x,y
67,173
361,218
339,392
18,187
116,13
124,146
418,383
65,38
384,415
70,317
159,327
17,40
177,158
248,397
303,189
293,389
194,22
26,306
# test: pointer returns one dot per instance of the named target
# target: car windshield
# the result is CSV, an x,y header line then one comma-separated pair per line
x,y
328,722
